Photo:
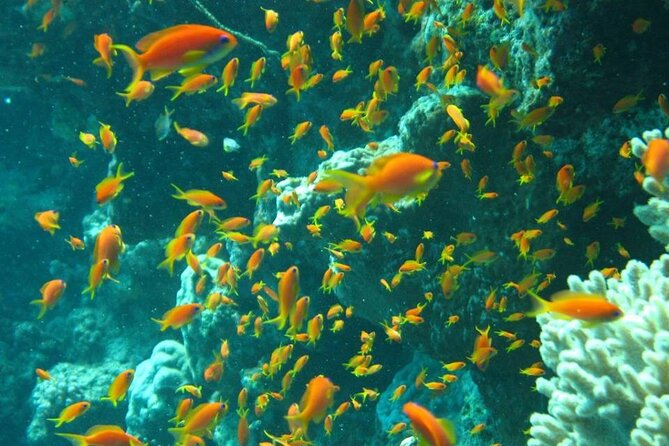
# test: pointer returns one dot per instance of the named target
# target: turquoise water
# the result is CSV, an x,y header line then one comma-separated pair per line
x,y
49,99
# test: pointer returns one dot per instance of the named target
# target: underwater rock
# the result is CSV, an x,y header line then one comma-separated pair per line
x,y
461,403
72,383
151,397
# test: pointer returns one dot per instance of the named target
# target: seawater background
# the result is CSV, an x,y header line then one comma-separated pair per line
x,y
40,121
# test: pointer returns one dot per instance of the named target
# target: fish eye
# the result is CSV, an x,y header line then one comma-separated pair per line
x,y
223,39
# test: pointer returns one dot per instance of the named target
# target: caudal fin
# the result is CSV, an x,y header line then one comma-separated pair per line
x,y
135,65
358,192
42,309
539,305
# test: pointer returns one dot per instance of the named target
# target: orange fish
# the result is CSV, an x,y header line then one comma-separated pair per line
x,y
387,180
483,349
202,198
194,137
577,305
431,430
179,316
264,99
43,375
118,389
107,138
626,103
48,220
252,116
200,420
103,45
316,400
107,189
139,92
51,292
97,274
355,20
257,70
109,245
177,249
190,223
289,287
271,19
103,435
184,48
197,83
656,159
229,75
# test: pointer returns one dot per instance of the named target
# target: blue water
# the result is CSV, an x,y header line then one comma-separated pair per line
x,y
85,343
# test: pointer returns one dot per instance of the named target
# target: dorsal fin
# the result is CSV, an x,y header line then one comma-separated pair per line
x,y
103,427
147,41
379,163
568,294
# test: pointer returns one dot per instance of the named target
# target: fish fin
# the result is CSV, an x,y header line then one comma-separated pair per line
x,y
239,102
176,89
180,193
279,321
42,309
59,422
379,163
147,41
163,327
358,192
104,398
177,432
167,264
539,305
103,427
449,429
423,177
136,65
156,75
568,294
89,290
77,440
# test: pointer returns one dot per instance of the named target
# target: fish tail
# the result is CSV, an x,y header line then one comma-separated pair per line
x,y
111,400
168,264
59,422
177,432
77,440
358,193
126,97
101,63
136,64
180,193
279,321
91,290
540,305
42,309
295,91
239,102
177,91
163,326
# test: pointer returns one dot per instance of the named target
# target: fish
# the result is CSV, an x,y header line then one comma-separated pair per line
x,y
588,307
163,124
430,429
289,287
138,92
176,249
103,435
107,138
200,420
229,75
194,137
51,292
109,188
103,45
48,220
179,316
197,83
388,179
109,245
317,398
187,49
118,389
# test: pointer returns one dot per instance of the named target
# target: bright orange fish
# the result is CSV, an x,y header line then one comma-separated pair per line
x,y
179,316
118,389
187,49
430,429
103,45
139,92
577,305
176,249
109,245
107,189
48,220
103,435
387,180
51,292
289,286
316,400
